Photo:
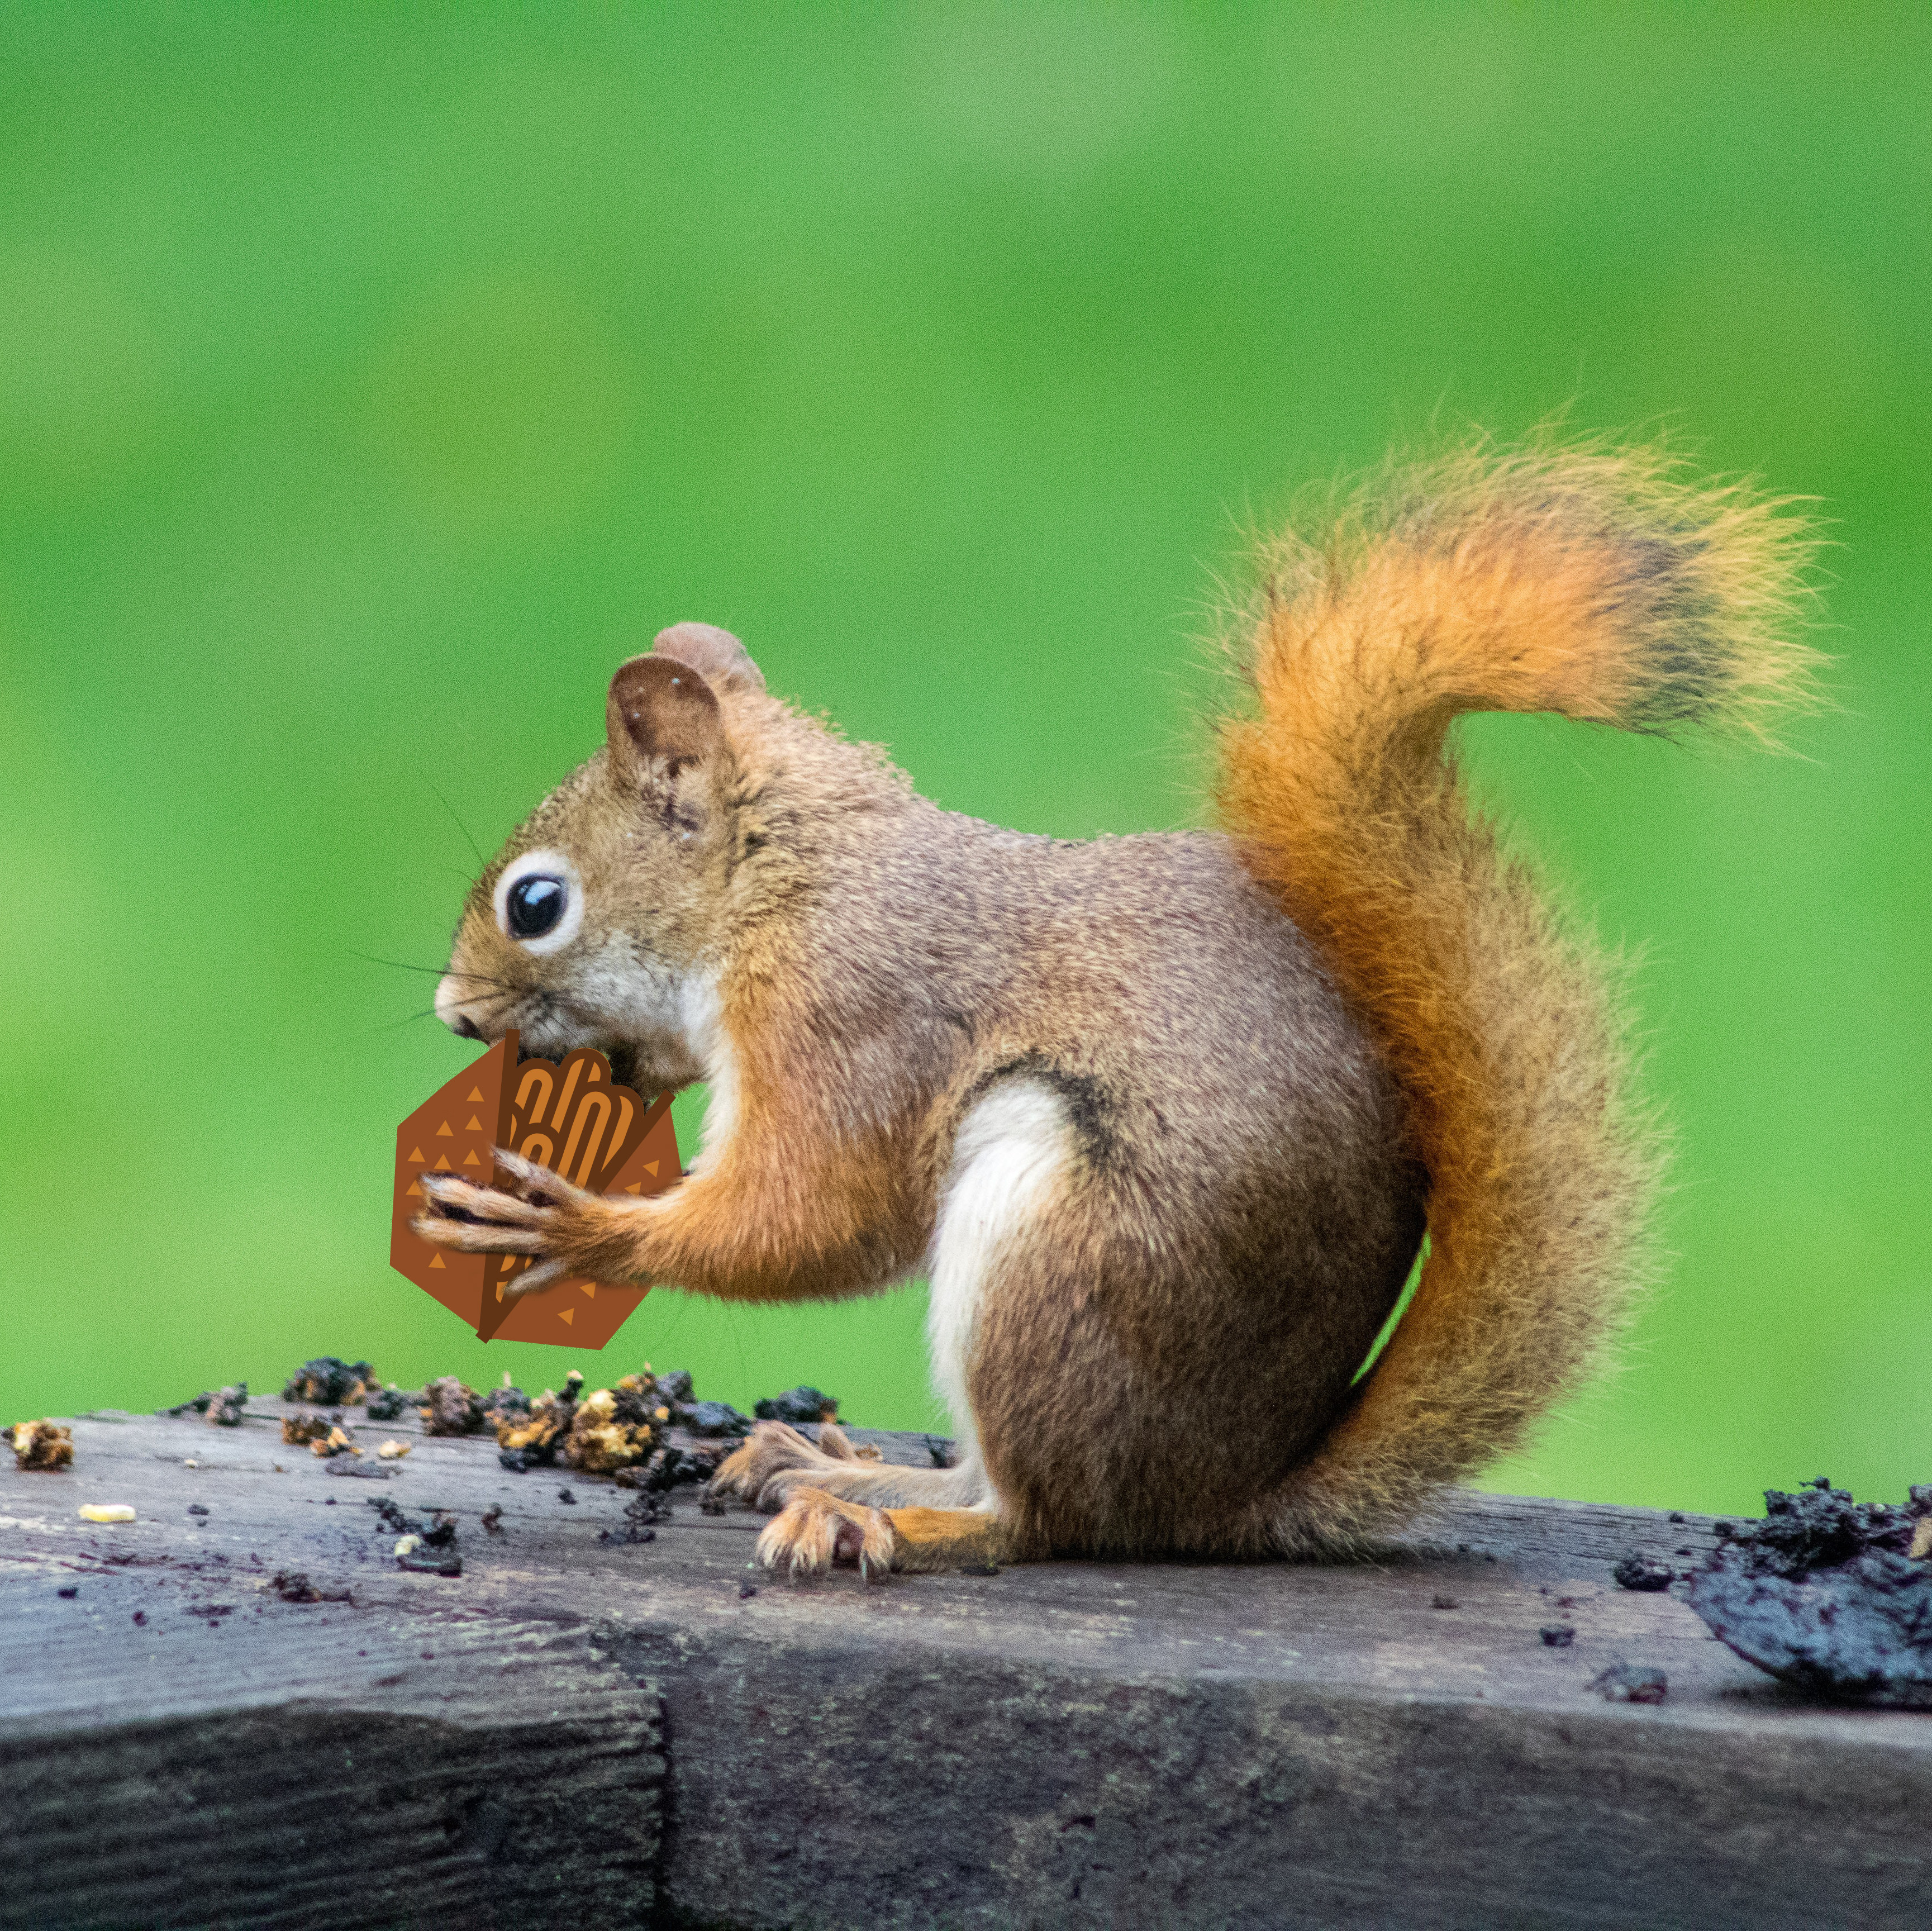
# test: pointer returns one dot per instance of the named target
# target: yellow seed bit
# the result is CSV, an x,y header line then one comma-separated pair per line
x,y
105,1512
392,1451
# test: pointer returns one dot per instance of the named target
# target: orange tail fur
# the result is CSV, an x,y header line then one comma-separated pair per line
x,y
1587,582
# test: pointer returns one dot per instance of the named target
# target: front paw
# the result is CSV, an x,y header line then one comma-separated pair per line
x,y
566,1231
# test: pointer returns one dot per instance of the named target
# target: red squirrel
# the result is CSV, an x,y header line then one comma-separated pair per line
x,y
1164,1118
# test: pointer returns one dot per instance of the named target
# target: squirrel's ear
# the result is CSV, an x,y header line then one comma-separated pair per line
x,y
725,662
660,717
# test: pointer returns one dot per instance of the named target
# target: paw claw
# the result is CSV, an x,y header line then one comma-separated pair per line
x,y
815,1529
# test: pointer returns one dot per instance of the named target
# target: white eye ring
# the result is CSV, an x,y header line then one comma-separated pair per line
x,y
550,864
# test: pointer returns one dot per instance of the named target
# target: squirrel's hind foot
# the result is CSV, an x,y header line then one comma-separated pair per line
x,y
814,1529
776,1461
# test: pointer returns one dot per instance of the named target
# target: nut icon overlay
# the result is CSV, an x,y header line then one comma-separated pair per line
x,y
573,1118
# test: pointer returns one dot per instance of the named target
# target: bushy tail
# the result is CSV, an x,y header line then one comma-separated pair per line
x,y
1588,582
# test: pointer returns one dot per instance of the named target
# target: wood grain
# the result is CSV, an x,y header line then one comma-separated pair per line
x,y
617,1725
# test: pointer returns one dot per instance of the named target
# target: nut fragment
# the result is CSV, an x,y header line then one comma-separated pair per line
x,y
451,1408
331,1382
105,1512
392,1451
43,1445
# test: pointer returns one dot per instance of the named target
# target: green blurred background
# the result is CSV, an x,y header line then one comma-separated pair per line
x,y
373,379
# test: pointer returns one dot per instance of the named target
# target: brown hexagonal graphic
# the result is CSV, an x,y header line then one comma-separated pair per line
x,y
571,1117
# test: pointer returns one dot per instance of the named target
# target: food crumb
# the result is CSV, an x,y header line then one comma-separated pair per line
x,y
292,1585
141,1618
429,1549
68,1593
451,1408
393,1451
331,1382
1624,1683
493,1519
614,1428
105,1512
565,1495
197,1508
220,1409
42,1445
745,1589
798,1405
1557,1636
1644,1572
1445,1603
225,1406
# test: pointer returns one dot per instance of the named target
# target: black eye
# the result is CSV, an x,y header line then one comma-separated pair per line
x,y
536,904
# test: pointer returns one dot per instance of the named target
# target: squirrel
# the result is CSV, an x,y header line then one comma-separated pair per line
x,y
1164,1118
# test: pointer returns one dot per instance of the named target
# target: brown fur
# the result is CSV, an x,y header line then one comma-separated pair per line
x,y
1223,1076
1586,581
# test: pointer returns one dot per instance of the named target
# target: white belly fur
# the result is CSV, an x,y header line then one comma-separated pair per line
x,y
1012,1147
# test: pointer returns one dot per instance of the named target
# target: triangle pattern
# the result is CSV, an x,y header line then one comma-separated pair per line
x,y
651,1168
476,1126
476,1093
471,1160
414,1189
442,1165
566,1315
444,1131
435,1260
416,1153
589,1287
636,1186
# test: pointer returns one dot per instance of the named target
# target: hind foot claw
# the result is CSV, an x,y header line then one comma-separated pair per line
x,y
814,1529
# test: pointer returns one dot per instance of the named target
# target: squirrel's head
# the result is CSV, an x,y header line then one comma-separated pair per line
x,y
599,924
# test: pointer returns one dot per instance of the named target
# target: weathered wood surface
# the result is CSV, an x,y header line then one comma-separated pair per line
x,y
617,1732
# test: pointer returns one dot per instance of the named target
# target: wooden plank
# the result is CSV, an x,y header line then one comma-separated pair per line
x,y
1063,1744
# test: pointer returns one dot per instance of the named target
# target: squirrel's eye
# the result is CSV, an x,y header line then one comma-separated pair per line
x,y
534,905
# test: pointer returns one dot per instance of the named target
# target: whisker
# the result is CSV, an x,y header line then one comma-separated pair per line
x,y
403,965
481,860
427,1012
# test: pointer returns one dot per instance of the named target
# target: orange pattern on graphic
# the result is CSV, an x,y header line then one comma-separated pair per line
x,y
570,1116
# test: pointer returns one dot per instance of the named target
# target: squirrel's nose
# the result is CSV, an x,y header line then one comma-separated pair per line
x,y
465,1025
